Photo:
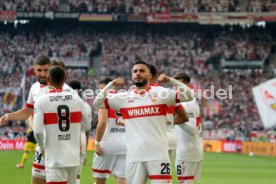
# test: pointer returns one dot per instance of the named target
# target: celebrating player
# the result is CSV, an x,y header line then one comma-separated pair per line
x,y
60,114
144,112
189,151
110,141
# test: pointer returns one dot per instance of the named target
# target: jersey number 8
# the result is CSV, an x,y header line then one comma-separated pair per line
x,y
63,118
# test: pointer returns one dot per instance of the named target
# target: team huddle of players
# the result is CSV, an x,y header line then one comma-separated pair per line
x,y
137,132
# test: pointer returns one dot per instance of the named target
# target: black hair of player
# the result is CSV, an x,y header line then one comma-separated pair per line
x,y
105,80
74,84
57,75
183,76
153,70
42,60
142,63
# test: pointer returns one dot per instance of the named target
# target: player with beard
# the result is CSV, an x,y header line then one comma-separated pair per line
x,y
144,113
41,66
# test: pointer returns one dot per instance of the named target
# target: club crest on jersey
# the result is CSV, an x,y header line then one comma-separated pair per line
x,y
153,97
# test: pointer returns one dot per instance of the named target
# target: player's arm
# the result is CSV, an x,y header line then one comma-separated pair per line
x,y
99,101
86,121
39,125
189,127
181,115
19,115
30,121
86,117
101,127
185,93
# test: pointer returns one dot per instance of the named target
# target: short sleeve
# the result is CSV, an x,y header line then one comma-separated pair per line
x,y
169,96
38,117
30,100
115,101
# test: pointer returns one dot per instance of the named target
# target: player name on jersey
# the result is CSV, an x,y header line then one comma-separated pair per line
x,y
60,98
64,137
117,130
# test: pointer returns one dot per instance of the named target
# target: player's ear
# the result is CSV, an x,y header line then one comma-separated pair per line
x,y
150,76
48,80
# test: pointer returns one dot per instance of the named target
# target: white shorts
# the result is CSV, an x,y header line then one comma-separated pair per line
x,y
188,170
38,168
62,175
109,164
158,172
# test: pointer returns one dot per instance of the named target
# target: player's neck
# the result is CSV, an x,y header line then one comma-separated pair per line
x,y
56,87
142,89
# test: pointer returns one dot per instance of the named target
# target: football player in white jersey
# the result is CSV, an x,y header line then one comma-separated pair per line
x,y
189,151
58,117
144,113
76,85
41,66
178,110
110,142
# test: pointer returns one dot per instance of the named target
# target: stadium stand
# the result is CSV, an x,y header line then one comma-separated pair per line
x,y
139,6
201,51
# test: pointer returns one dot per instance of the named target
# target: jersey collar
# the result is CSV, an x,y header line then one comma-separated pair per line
x,y
142,92
55,91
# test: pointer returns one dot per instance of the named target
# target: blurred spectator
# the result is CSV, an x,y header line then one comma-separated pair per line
x,y
172,49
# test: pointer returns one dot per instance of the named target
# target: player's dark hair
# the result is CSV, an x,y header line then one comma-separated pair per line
x,y
105,80
183,76
153,70
141,62
42,60
74,84
57,75
60,63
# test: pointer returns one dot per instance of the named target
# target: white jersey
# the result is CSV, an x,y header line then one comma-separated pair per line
x,y
114,139
145,121
36,90
171,132
59,115
190,147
